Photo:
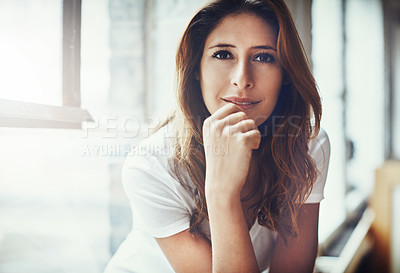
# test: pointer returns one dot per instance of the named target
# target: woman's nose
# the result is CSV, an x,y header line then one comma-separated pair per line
x,y
242,77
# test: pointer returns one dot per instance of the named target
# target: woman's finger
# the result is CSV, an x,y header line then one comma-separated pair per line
x,y
225,110
253,138
242,126
234,118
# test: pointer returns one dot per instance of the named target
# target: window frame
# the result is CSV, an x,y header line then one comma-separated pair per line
x,y
70,115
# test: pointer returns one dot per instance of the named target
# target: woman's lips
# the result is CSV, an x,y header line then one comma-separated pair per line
x,y
242,103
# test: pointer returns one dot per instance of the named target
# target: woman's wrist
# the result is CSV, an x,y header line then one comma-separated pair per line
x,y
220,199
214,190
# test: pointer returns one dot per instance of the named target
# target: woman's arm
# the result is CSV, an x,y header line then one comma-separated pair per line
x,y
228,127
299,254
231,250
187,252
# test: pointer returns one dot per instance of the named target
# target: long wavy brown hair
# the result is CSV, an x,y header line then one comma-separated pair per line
x,y
286,172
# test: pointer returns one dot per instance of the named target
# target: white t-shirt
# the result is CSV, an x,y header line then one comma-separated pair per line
x,y
161,206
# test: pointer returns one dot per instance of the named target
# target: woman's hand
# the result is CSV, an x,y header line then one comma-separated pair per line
x,y
229,137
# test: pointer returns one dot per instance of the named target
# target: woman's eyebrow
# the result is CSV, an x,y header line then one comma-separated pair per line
x,y
221,45
264,47
253,47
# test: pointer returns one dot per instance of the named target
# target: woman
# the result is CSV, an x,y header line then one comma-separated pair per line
x,y
232,182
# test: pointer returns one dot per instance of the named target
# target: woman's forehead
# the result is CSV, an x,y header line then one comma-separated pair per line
x,y
243,28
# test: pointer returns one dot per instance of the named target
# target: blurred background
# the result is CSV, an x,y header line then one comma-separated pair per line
x,y
82,82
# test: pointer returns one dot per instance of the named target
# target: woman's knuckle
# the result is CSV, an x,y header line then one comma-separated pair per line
x,y
207,122
219,125
242,115
252,122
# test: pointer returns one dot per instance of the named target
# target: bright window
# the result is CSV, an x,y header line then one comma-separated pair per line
x,y
31,51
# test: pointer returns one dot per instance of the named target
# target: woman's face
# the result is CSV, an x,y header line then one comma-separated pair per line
x,y
239,65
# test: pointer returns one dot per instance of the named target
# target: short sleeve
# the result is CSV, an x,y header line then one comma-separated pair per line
x,y
319,149
159,203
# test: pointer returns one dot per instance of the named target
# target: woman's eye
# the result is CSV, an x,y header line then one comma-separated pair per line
x,y
264,58
222,55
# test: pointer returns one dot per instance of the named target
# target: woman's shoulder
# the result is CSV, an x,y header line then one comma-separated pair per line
x,y
151,158
160,202
149,154
320,142
320,150
159,145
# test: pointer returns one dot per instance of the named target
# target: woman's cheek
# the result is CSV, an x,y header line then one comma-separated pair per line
x,y
211,89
